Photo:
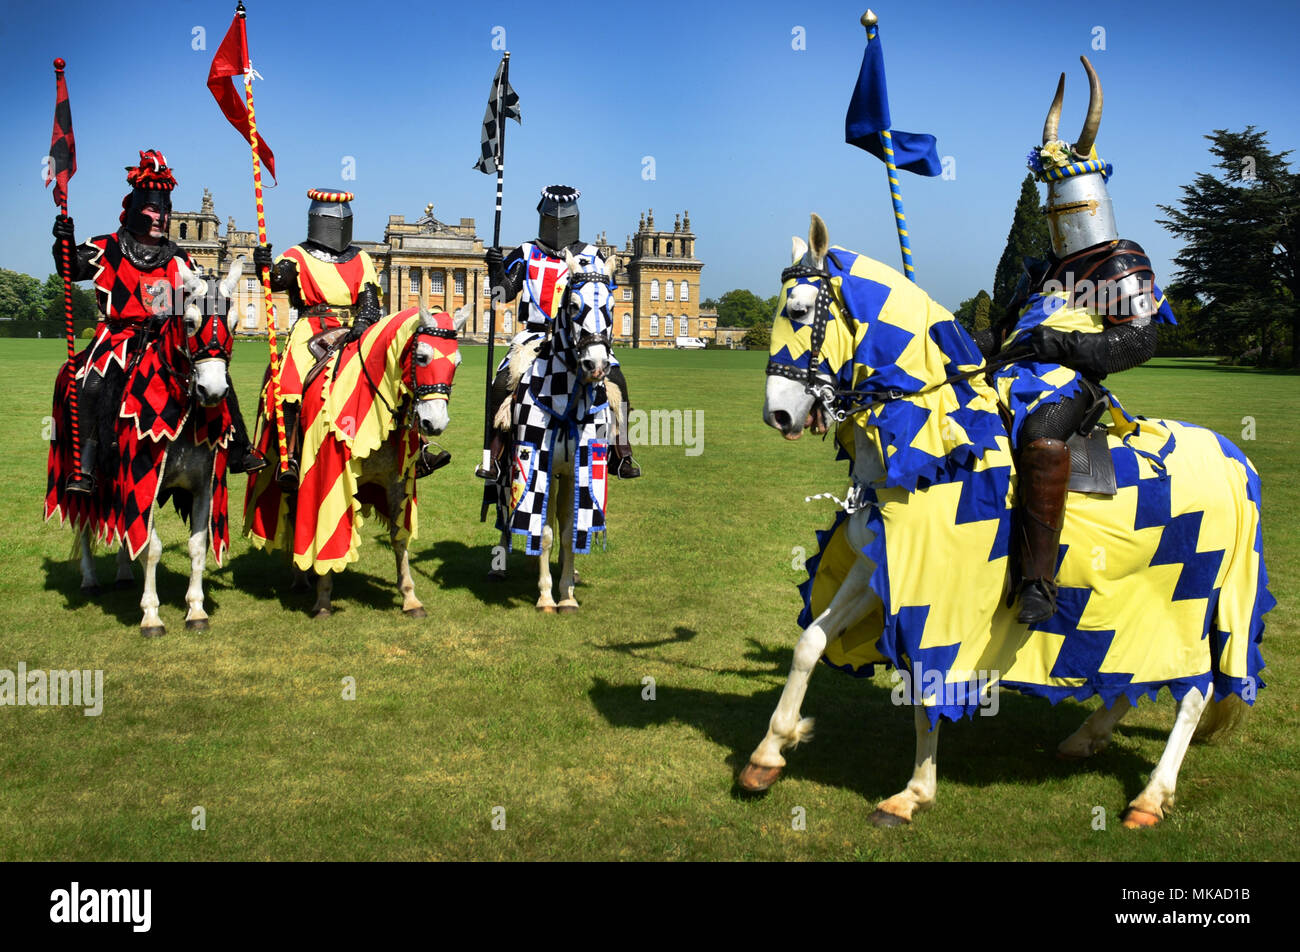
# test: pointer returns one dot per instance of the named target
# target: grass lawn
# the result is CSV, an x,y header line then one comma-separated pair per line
x,y
485,704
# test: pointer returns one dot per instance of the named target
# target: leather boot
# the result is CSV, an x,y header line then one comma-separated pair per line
x,y
627,467
494,448
428,461
287,478
1044,469
83,481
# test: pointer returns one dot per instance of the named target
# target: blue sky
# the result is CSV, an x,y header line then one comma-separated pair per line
x,y
745,130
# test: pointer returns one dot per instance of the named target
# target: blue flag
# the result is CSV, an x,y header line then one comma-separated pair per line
x,y
869,114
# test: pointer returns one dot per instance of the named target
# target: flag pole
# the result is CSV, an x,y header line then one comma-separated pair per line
x,y
264,274
69,327
496,242
871,22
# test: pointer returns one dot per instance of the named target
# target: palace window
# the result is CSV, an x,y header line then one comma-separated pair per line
x,y
508,322
415,282
654,325
459,279
668,290
250,318
627,294
668,326
654,289
670,248
251,286
487,289
184,231
686,292
683,327
436,282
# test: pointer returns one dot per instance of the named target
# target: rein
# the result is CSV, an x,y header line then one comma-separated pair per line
x,y
421,390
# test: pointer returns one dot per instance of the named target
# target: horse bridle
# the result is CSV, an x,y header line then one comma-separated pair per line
x,y
420,390
587,339
820,386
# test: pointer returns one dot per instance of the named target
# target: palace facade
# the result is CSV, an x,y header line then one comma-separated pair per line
x,y
441,265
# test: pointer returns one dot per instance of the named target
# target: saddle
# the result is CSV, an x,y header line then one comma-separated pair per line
x,y
1091,468
321,346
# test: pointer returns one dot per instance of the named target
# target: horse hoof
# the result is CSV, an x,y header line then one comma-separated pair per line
x,y
567,609
546,609
123,584
1135,819
577,579
196,624
886,820
496,575
756,778
414,612
321,613
156,631
91,591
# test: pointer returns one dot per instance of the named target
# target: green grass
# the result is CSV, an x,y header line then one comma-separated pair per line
x,y
486,704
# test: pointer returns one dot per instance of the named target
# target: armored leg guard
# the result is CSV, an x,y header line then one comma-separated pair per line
x,y
288,477
92,385
244,457
1044,469
495,443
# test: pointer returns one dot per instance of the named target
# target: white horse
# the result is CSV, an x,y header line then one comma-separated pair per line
x,y
188,467
1209,477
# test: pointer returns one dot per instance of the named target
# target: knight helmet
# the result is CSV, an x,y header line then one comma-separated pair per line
x,y
558,209
1079,211
329,219
151,184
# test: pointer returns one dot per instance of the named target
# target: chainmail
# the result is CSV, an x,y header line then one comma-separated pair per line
x,y
146,257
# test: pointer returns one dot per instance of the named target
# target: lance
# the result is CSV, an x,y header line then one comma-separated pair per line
x,y
502,84
62,147
264,274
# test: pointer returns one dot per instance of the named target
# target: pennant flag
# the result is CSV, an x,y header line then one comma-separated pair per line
x,y
232,60
498,110
63,150
868,116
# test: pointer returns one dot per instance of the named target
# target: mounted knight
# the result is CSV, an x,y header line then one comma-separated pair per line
x,y
1089,310
539,270
321,273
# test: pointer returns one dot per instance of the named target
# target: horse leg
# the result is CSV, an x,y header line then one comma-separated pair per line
x,y
1093,736
89,578
151,625
786,729
405,584
324,586
920,790
1148,808
545,603
568,604
125,578
196,619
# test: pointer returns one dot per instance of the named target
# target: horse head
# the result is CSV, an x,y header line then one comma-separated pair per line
x,y
208,337
584,327
812,341
434,355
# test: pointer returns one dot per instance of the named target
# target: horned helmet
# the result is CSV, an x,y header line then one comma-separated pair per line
x,y
1079,210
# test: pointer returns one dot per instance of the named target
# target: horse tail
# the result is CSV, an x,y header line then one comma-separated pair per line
x,y
1221,717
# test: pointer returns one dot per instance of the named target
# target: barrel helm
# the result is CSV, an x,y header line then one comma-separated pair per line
x,y
558,209
329,219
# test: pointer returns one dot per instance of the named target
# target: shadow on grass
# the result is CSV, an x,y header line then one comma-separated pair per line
x,y
123,602
772,662
865,743
454,565
269,575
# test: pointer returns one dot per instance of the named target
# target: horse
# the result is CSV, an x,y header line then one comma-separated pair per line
x,y
361,412
560,411
1162,582
170,427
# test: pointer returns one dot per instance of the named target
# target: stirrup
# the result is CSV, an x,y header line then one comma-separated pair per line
x,y
287,479
627,468
428,461
249,462
80,483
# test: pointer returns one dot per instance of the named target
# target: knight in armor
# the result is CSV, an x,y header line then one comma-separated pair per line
x,y
319,274
1087,311
537,268
135,276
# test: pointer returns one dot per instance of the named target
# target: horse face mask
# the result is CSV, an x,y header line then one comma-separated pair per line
x,y
433,357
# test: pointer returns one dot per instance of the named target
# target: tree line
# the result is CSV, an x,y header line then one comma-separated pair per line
x,y
29,307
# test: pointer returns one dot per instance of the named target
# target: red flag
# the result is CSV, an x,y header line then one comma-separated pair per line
x,y
63,151
232,60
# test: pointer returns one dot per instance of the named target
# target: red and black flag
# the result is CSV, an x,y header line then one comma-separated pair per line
x,y
63,150
232,60
503,104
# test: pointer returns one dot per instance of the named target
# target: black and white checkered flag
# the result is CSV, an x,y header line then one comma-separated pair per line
x,y
503,104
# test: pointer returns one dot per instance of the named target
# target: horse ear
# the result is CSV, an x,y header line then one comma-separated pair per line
x,y
425,317
231,280
818,237
571,262
460,317
798,248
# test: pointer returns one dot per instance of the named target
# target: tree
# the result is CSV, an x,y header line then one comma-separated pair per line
x,y
1028,238
741,308
1241,226
759,337
709,304
975,313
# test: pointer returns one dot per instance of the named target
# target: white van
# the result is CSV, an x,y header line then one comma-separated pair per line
x,y
690,343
